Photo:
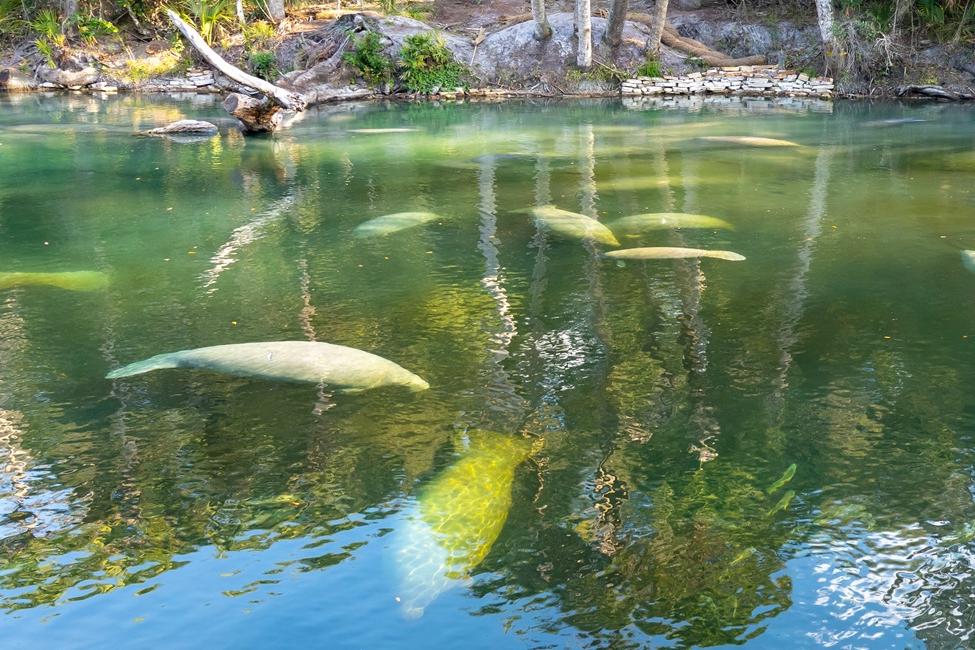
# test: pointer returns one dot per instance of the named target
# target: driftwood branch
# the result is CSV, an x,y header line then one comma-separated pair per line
x,y
933,91
286,99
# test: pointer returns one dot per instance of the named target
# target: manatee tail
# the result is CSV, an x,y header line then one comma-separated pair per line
x,y
157,362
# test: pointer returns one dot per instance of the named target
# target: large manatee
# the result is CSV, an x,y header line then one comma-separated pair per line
x,y
672,253
637,224
342,368
749,140
456,519
70,280
390,223
573,225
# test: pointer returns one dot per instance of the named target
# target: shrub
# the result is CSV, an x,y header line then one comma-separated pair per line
x,y
264,64
259,33
426,64
91,28
649,68
369,60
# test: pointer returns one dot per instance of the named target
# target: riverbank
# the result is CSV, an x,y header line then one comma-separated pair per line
x,y
309,53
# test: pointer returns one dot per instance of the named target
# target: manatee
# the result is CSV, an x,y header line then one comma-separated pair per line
x,y
390,223
967,258
573,225
344,369
637,224
749,140
70,280
671,253
894,121
456,519
390,130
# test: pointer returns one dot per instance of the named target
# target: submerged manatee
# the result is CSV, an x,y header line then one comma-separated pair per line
x,y
637,224
456,519
342,368
967,258
573,225
71,280
749,140
389,130
672,253
390,223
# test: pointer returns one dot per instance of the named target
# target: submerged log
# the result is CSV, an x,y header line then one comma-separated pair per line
x,y
257,115
260,116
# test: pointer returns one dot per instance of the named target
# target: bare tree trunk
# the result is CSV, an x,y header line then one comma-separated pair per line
x,y
70,9
240,12
584,34
276,9
824,11
286,99
617,19
657,28
542,29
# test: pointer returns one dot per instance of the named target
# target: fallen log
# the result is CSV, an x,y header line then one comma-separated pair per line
x,y
256,116
672,38
937,92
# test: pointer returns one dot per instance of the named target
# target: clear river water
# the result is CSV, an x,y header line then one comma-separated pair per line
x,y
776,452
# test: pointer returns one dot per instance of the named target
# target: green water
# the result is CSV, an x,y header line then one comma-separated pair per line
x,y
664,400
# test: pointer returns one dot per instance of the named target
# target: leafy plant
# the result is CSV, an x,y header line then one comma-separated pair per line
x,y
91,28
12,18
47,51
259,33
370,61
209,15
427,65
264,64
48,25
649,68
387,6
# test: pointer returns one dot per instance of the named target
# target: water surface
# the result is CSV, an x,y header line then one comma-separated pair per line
x,y
662,400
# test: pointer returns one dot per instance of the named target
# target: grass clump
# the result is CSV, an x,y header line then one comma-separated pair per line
x,y
370,61
649,68
426,65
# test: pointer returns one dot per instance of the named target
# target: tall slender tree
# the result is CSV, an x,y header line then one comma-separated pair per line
x,y
584,34
824,12
617,19
276,9
657,29
542,28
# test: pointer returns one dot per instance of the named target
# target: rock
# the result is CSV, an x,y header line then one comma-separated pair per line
x,y
12,81
183,127
104,87
66,78
158,47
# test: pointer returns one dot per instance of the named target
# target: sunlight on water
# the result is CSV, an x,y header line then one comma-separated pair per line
x,y
648,448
